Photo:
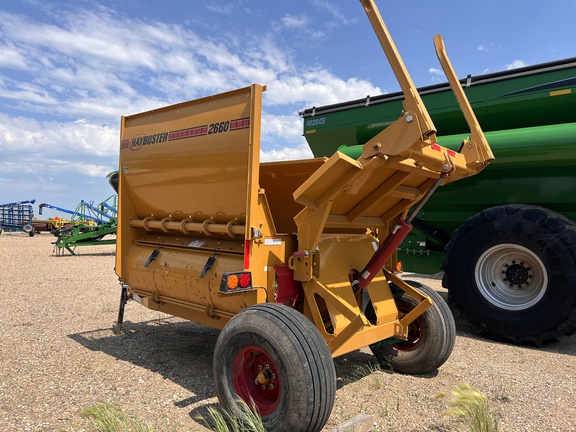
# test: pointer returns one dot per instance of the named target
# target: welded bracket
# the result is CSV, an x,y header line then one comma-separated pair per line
x,y
305,265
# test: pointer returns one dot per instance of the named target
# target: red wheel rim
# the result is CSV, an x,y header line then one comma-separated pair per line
x,y
256,379
415,334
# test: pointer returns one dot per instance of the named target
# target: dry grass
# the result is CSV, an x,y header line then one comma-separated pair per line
x,y
471,406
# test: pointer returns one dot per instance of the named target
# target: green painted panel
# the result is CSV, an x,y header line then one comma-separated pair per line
x,y
526,97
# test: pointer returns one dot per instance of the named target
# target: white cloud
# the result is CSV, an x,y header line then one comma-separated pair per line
x,y
317,87
515,64
24,92
10,57
220,8
332,9
89,72
286,153
27,187
287,127
436,72
30,138
56,166
67,77
92,170
437,75
294,22
483,47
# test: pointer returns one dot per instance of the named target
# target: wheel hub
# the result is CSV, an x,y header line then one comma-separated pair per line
x,y
511,277
256,379
516,274
265,377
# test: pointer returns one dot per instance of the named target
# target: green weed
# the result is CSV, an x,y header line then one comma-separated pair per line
x,y
225,421
106,417
370,370
471,406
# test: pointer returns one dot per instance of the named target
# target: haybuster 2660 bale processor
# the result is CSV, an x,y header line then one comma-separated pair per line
x,y
279,255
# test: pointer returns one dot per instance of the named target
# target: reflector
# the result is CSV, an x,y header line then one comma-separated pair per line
x,y
232,281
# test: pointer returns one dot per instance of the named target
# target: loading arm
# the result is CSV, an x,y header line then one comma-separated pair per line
x,y
415,124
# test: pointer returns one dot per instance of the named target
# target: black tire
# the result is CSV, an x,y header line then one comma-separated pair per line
x,y
64,232
297,370
431,336
511,270
28,229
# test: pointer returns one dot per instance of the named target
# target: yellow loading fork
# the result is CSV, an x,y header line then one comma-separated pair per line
x,y
399,167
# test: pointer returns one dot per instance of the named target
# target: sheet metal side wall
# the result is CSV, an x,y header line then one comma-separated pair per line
x,y
202,174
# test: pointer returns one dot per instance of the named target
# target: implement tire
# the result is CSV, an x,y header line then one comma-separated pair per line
x,y
274,356
431,336
511,270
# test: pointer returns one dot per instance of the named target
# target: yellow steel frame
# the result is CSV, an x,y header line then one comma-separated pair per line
x,y
396,170
217,205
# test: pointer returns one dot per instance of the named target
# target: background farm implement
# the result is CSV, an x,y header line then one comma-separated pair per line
x,y
17,216
89,225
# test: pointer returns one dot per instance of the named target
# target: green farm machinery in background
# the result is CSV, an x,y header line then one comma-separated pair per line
x,y
90,225
506,238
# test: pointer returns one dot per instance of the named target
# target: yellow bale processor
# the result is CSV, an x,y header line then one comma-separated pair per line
x,y
294,261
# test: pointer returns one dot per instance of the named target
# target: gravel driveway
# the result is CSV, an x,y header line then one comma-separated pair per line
x,y
59,354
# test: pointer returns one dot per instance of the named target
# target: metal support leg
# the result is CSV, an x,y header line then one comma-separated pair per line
x,y
123,300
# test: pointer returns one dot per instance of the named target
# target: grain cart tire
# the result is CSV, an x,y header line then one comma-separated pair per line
x,y
511,270
431,336
274,356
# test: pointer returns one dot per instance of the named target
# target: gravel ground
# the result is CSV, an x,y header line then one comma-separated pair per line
x,y
59,355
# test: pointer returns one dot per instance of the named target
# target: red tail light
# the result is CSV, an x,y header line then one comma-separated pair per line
x,y
236,281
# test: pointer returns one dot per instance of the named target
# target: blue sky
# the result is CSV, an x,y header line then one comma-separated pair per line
x,y
70,69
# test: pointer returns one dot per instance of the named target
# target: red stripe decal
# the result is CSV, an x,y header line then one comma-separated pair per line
x,y
246,254
242,123
188,133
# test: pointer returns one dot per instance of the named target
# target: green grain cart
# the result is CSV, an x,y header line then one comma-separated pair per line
x,y
505,239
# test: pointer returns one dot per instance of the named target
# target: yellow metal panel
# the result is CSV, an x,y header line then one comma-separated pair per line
x,y
279,181
189,165
327,181
184,160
